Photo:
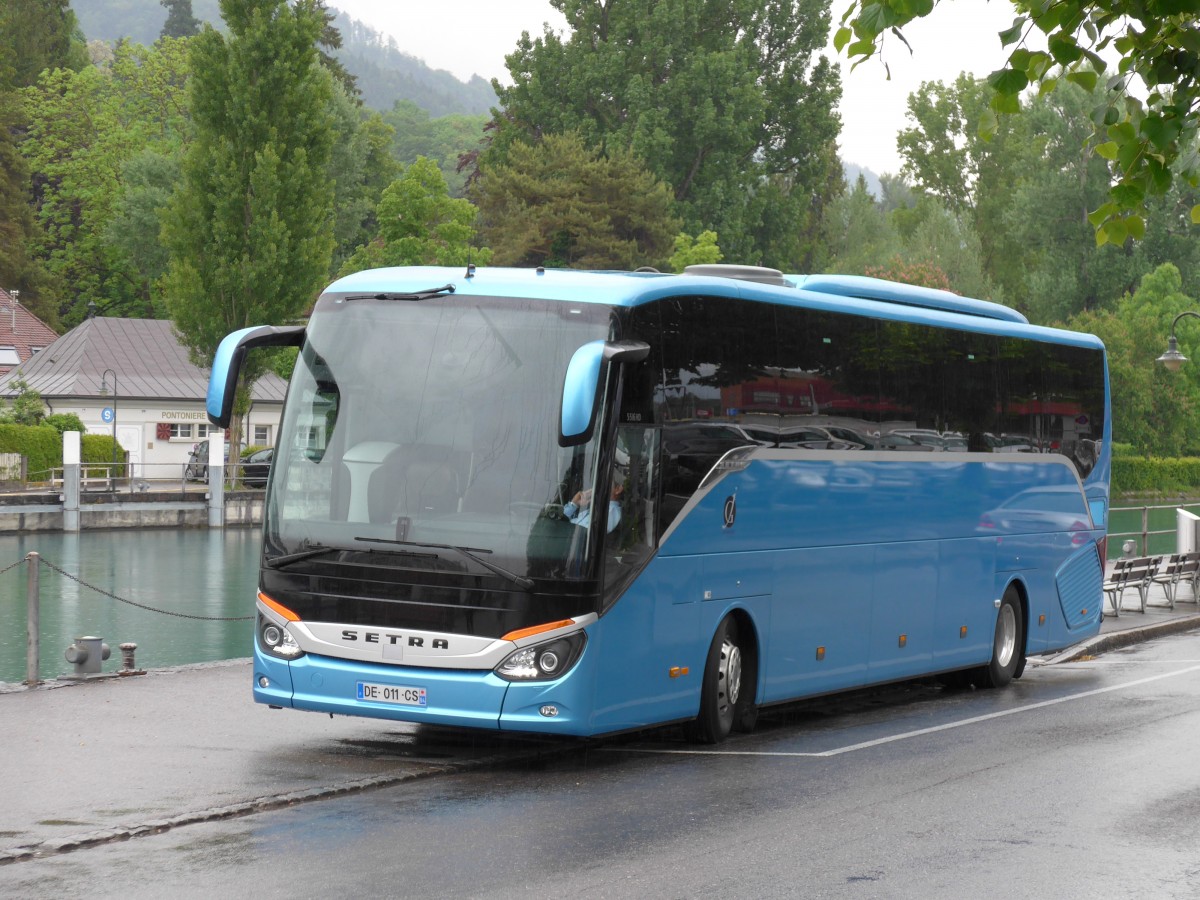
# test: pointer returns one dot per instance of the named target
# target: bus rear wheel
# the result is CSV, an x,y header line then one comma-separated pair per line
x,y
726,694
1008,656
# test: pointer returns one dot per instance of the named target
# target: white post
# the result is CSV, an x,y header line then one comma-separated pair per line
x,y
216,478
71,472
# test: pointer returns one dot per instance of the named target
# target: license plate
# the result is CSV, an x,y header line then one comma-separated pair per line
x,y
400,694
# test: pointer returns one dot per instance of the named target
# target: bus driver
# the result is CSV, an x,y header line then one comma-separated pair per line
x,y
579,510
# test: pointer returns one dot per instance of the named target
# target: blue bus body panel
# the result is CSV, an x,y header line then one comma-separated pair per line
x,y
324,684
852,572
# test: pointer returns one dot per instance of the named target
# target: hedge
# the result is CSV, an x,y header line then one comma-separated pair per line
x,y
1141,475
42,445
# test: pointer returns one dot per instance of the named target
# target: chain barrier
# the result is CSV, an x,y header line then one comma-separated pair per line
x,y
98,590
14,565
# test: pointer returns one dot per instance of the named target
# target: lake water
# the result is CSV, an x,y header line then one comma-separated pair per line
x,y
201,572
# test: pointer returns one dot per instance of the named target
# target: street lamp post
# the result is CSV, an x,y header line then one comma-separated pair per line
x,y
104,390
1173,360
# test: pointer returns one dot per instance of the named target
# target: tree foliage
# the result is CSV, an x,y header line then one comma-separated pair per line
x,y
180,21
731,104
694,251
420,224
1153,409
361,165
1144,121
250,228
39,35
84,129
26,408
1027,193
558,204
445,139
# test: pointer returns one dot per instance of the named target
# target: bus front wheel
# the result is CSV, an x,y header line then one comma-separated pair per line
x,y
1007,653
726,698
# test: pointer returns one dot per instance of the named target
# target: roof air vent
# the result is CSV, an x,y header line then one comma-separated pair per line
x,y
760,274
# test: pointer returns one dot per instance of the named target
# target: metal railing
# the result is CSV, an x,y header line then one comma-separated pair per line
x,y
1145,534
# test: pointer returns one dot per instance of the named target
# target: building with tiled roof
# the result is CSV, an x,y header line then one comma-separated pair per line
x,y
132,377
22,334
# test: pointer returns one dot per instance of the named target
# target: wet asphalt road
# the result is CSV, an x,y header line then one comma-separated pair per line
x,y
1081,780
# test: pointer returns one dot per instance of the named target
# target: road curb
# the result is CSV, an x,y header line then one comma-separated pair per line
x,y
1116,640
69,843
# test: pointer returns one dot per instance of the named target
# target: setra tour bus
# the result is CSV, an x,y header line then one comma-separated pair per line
x,y
586,502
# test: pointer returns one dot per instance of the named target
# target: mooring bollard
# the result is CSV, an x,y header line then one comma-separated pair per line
x,y
32,621
128,666
86,654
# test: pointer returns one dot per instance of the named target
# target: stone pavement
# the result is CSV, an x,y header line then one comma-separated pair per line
x,y
88,763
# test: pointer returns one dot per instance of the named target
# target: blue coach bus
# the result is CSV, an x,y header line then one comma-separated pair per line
x,y
586,502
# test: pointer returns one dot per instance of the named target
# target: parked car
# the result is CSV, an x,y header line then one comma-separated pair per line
x,y
849,434
197,464
892,440
256,467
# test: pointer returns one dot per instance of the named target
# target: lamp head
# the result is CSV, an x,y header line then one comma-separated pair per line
x,y
1173,360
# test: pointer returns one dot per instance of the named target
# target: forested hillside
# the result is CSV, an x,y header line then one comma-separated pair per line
x,y
384,73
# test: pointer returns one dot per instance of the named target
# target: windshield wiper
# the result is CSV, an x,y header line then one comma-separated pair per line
x,y
279,562
414,295
469,552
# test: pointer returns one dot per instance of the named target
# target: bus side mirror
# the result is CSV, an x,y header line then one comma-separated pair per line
x,y
583,383
227,364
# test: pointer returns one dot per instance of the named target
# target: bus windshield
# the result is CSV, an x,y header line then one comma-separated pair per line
x,y
417,425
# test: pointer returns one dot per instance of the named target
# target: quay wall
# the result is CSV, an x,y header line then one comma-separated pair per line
x,y
114,509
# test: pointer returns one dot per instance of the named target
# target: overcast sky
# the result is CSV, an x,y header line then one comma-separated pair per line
x,y
469,37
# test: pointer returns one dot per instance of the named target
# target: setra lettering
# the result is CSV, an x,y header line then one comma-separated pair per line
x,y
377,637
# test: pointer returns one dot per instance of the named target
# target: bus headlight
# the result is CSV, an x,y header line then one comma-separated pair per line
x,y
543,662
276,640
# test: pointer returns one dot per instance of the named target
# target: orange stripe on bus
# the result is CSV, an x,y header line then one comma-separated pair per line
x,y
278,607
536,629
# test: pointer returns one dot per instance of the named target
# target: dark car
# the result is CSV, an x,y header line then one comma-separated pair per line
x,y
197,464
256,467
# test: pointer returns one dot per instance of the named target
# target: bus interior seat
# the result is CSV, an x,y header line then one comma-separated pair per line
x,y
430,487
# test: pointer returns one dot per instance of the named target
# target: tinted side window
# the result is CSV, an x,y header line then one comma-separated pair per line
x,y
716,380
829,366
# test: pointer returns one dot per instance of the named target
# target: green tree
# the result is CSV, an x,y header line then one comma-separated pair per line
x,y
27,407
180,21
420,225
84,129
1026,195
731,104
133,231
857,232
37,35
1145,134
558,204
931,234
361,165
446,139
19,234
250,228
1153,409
694,251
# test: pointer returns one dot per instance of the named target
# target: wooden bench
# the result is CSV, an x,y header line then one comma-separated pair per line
x,y
1135,573
1176,569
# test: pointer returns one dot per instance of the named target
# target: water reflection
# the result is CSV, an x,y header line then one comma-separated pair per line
x,y
201,572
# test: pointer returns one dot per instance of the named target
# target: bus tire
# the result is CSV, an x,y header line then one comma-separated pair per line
x,y
722,687
1007,650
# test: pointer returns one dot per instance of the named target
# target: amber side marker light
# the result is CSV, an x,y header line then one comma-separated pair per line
x,y
677,671
278,607
536,629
